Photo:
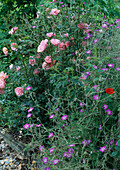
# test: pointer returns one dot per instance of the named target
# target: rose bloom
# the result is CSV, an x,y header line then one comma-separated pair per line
x,y
54,1
5,51
55,41
14,46
84,43
82,25
42,45
62,46
45,66
50,34
31,61
67,43
109,91
2,84
19,91
3,75
11,66
48,59
36,71
66,35
54,11
13,30
18,68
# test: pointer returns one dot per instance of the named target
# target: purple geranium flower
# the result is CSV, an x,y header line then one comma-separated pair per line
x,y
51,150
88,52
118,69
96,40
71,145
38,125
41,148
28,88
45,160
51,116
100,127
105,106
26,126
50,135
82,104
110,65
104,69
111,142
34,26
96,97
64,117
29,115
95,67
102,149
81,110
31,109
108,112
55,161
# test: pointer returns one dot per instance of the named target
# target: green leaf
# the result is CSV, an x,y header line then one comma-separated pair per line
x,y
118,144
114,153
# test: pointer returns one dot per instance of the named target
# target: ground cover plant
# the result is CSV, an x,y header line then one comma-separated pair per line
x,y
59,84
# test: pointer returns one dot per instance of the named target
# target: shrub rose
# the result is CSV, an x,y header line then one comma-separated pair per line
x,y
36,71
54,11
42,45
5,51
48,59
19,91
2,84
31,61
14,47
50,34
55,41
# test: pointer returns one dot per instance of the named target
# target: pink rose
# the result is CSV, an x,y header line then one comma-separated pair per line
x,y
48,59
5,51
14,46
45,66
67,43
72,38
11,66
84,43
66,35
2,84
54,11
62,46
55,41
19,91
13,30
54,1
31,61
42,45
3,76
50,34
82,25
18,68
36,71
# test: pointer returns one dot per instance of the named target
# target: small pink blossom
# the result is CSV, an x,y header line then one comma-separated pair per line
x,y
2,84
67,43
41,148
66,35
55,161
18,68
28,88
51,150
62,46
45,66
3,75
51,116
26,126
13,30
96,97
29,115
55,42
45,160
5,51
54,11
31,61
64,117
36,71
48,59
100,127
50,34
38,125
19,91
71,145
11,66
50,135
14,47
42,45
110,65
102,149
30,110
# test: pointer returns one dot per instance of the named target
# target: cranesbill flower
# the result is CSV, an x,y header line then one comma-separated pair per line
x,y
105,106
28,88
31,109
108,112
38,125
96,97
118,69
96,40
50,135
88,52
104,69
71,145
100,127
84,161
26,126
110,65
81,104
45,160
29,115
41,148
102,149
64,117
51,150
48,168
95,67
70,150
111,142
81,110
55,161
51,116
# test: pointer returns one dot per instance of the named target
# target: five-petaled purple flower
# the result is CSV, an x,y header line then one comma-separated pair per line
x,y
51,150
82,104
110,65
64,117
51,116
26,126
105,106
96,97
96,40
28,88
50,135
88,52
102,149
45,160
55,161
31,109
108,112
29,115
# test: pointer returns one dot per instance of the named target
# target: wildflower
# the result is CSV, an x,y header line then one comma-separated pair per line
x,y
19,91
50,135
111,142
28,88
41,148
54,11
55,161
29,115
88,52
11,66
68,155
51,150
66,35
82,110
64,117
88,36
57,109
31,109
38,125
13,30
104,26
105,106
18,68
118,69
95,67
96,97
71,145
2,84
48,168
62,46
48,59
116,143
96,40
82,104
45,160
67,43
108,112
84,161
102,149
95,86
36,71
26,126
109,91
104,69
65,154
110,65
51,116
34,26
70,150
100,127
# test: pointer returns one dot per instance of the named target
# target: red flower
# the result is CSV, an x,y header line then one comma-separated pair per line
x,y
109,91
